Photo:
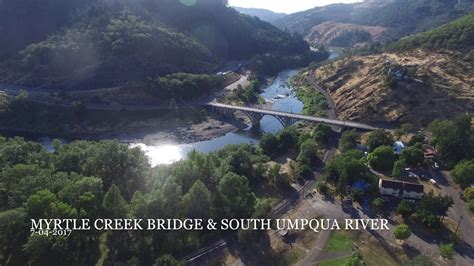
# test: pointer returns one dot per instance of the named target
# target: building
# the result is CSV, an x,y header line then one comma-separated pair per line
x,y
398,147
412,191
390,188
400,189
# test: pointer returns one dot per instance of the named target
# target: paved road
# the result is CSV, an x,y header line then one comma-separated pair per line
x,y
328,121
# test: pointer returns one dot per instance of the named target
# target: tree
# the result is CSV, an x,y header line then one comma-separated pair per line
x,y
303,171
382,158
378,203
322,133
197,202
405,209
348,140
270,145
355,260
402,232
39,204
463,173
431,208
379,138
263,209
168,260
412,156
469,193
308,153
237,198
114,204
447,251
287,138
398,168
453,139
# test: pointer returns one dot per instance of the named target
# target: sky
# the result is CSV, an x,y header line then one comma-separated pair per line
x,y
286,6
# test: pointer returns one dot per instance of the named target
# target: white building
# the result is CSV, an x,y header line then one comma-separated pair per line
x,y
400,189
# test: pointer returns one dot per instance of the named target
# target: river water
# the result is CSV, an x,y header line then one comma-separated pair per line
x,y
280,93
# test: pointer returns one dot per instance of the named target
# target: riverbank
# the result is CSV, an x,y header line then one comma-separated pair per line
x,y
181,126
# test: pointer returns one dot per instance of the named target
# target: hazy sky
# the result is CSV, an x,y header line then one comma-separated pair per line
x,y
286,6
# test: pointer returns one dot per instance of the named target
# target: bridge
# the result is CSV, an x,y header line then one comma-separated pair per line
x,y
286,119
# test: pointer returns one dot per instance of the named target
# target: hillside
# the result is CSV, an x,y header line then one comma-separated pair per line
x,y
262,14
343,34
106,43
457,35
401,17
414,87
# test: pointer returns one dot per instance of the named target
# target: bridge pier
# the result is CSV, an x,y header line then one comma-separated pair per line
x,y
255,119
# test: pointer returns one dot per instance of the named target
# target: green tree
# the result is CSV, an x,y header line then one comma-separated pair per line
x,y
382,158
263,209
303,171
469,193
398,168
237,198
402,232
168,260
447,251
405,209
412,156
431,208
453,139
379,138
463,173
270,145
355,260
40,204
197,202
114,204
378,203
287,138
308,153
348,140
322,133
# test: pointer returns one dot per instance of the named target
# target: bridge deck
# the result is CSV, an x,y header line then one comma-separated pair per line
x,y
296,116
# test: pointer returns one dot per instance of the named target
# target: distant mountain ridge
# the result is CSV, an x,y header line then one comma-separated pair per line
x,y
262,14
400,17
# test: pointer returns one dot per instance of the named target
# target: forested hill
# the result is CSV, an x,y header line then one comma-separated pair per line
x,y
457,35
96,43
402,17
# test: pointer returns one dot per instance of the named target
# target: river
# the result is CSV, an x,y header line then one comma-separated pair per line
x,y
279,92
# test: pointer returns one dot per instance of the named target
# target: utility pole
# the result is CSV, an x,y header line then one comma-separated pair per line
x,y
457,227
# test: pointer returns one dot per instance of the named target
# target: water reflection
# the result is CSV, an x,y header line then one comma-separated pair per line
x,y
283,98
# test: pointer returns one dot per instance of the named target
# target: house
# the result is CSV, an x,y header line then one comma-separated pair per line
x,y
390,188
398,147
430,152
412,191
400,189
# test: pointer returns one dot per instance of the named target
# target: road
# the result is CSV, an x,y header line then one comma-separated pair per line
x,y
459,210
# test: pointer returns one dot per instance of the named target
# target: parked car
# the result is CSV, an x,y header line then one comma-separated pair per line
x,y
432,181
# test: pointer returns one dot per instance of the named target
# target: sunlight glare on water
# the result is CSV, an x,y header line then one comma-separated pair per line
x,y
162,154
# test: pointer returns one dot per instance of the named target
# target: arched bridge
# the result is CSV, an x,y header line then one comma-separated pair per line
x,y
286,119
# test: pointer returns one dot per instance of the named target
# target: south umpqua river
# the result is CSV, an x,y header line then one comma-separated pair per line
x,y
279,93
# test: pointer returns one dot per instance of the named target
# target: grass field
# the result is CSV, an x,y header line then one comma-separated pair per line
x,y
339,241
334,262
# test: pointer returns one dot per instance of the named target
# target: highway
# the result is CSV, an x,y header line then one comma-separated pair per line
x,y
333,122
